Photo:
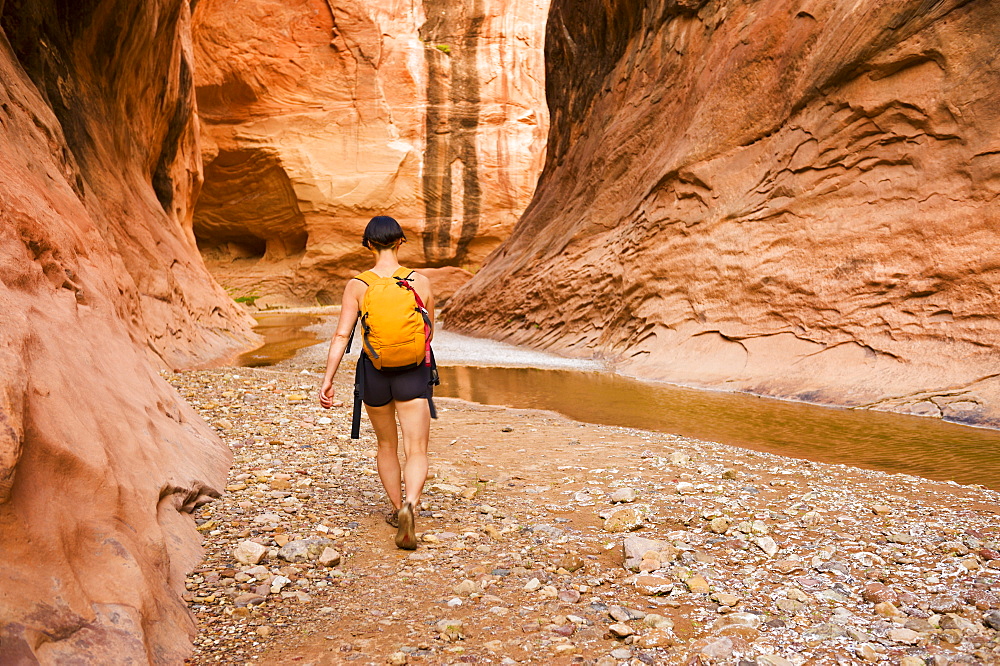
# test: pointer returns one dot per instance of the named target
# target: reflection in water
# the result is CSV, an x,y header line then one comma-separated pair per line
x,y
284,334
890,442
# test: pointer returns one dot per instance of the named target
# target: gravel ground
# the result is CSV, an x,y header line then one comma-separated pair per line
x,y
734,557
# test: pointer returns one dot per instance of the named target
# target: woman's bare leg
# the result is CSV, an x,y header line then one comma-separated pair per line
x,y
415,422
387,459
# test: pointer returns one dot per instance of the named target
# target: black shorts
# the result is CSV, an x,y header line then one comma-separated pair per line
x,y
383,387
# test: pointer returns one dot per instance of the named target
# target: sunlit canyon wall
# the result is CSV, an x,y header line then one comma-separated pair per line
x,y
793,198
318,114
101,284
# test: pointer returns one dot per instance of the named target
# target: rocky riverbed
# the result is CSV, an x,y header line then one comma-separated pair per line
x,y
544,540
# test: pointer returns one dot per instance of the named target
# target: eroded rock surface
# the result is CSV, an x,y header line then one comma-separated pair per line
x,y
101,462
791,198
318,114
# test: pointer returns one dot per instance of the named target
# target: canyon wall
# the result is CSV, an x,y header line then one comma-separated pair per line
x,y
318,114
101,463
791,197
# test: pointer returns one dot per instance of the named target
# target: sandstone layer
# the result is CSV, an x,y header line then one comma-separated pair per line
x,y
792,198
101,462
318,114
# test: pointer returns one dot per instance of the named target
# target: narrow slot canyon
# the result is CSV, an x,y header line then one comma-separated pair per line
x,y
787,199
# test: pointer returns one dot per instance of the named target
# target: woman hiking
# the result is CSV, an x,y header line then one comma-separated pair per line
x,y
396,307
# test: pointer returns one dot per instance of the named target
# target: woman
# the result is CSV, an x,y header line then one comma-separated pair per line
x,y
388,395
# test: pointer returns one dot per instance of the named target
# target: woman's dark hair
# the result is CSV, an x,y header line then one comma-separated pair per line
x,y
382,233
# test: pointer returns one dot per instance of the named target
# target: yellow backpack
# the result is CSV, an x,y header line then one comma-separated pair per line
x,y
395,325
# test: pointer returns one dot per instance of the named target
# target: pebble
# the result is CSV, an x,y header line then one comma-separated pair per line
x,y
636,547
624,496
726,599
719,648
620,630
749,620
653,585
623,520
904,635
620,614
571,562
244,600
887,609
658,638
788,566
911,660
267,518
450,630
767,545
697,585
771,660
719,525
876,593
945,603
657,621
304,550
328,558
249,552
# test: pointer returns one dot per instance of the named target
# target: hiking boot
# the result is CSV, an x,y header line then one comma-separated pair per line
x,y
406,537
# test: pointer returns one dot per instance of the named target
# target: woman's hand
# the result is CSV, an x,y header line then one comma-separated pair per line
x,y
348,318
326,395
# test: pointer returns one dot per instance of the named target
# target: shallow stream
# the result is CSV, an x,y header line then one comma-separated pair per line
x,y
474,370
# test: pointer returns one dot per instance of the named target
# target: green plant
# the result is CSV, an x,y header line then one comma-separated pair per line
x,y
443,48
249,299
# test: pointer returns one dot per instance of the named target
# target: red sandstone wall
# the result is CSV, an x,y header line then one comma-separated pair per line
x,y
319,114
100,283
792,198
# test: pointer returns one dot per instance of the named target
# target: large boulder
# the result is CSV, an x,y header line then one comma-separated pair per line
x,y
796,199
101,284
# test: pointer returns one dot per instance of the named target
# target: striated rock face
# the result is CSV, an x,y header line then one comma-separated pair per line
x,y
792,198
101,462
319,114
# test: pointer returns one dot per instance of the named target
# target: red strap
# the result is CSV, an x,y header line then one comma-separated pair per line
x,y
404,282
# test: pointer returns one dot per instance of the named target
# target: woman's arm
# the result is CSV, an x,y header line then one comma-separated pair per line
x,y
338,343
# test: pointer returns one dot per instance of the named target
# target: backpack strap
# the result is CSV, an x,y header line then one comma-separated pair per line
x,y
367,277
433,381
359,396
405,283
